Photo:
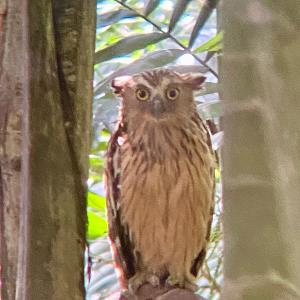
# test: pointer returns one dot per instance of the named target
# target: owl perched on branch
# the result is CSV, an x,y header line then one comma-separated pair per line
x,y
159,180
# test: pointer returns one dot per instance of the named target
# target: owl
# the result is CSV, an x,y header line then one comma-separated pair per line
x,y
159,181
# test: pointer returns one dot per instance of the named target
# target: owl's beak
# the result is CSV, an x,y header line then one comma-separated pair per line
x,y
157,106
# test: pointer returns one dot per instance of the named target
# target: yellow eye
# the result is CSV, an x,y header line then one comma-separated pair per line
x,y
142,94
172,93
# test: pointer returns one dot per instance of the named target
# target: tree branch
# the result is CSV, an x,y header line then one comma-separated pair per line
x,y
147,291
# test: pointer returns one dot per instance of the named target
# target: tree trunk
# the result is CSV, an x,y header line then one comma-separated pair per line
x,y
260,76
46,71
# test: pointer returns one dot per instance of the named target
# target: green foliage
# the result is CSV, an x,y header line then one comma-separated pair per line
x,y
204,14
212,45
97,224
97,202
128,45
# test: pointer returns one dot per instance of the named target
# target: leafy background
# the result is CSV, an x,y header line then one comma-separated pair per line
x,y
133,36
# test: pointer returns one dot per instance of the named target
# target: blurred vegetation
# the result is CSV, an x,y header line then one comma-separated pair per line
x,y
133,36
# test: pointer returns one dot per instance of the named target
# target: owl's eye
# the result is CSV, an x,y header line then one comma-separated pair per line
x,y
142,94
172,93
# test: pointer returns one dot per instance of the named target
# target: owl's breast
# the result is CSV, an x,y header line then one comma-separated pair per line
x,y
166,193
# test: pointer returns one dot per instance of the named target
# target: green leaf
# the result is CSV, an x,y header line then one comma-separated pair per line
x,y
96,161
101,146
147,62
209,55
114,16
95,177
205,12
178,11
218,175
95,201
214,44
150,7
97,226
129,44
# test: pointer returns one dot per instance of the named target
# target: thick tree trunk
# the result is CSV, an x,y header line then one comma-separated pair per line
x,y
46,71
261,154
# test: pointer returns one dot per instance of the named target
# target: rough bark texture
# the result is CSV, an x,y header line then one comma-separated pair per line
x,y
45,110
261,155
11,97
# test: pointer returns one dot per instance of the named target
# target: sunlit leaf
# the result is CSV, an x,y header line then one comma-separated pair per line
x,y
96,161
114,16
178,11
150,6
218,175
97,226
206,10
96,201
128,44
101,146
147,62
214,44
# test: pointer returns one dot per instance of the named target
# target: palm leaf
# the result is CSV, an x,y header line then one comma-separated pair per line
x,y
178,11
147,62
128,45
205,12
214,44
114,16
150,6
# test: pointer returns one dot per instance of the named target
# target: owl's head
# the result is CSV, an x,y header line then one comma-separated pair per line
x,y
158,94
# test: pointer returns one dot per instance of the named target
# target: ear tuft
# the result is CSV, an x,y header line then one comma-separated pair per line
x,y
193,80
119,83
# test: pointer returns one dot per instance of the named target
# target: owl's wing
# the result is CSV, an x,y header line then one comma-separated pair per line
x,y
198,262
118,233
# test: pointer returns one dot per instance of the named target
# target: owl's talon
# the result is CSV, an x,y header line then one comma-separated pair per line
x,y
174,281
181,282
140,278
153,280
127,295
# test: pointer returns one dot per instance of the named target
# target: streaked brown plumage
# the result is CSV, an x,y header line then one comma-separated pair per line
x,y
159,180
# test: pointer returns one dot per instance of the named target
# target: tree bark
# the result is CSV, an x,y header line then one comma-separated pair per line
x,y
260,76
45,109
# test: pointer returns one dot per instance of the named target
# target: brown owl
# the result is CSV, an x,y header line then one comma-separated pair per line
x,y
159,180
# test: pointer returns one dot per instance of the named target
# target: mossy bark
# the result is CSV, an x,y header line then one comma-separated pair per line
x,y
45,116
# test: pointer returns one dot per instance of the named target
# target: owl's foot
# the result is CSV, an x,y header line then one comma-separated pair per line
x,y
181,282
140,278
